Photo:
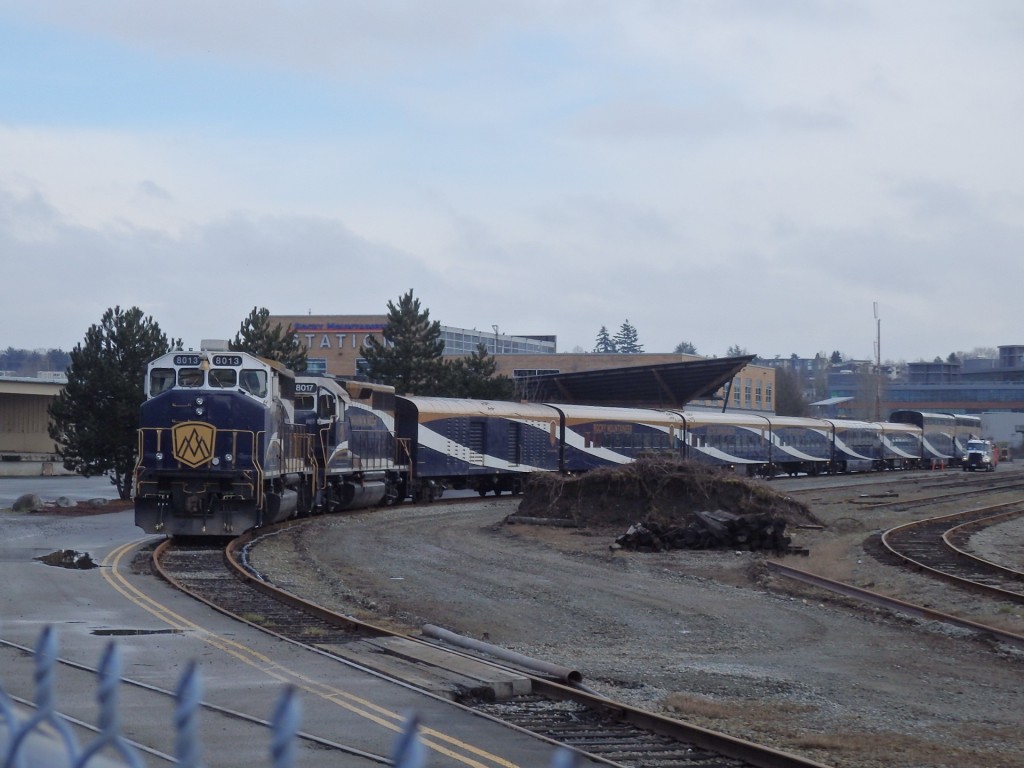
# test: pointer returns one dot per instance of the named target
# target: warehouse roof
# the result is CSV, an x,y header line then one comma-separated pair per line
x,y
671,385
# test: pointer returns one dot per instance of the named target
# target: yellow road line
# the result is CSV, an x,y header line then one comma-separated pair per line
x,y
364,708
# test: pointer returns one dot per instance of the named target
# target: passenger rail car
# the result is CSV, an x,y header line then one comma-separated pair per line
x,y
229,441
944,436
595,436
487,446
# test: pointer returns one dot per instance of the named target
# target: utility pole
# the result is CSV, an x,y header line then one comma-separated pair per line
x,y
878,365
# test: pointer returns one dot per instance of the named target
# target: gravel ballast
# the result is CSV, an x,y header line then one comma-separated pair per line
x,y
704,636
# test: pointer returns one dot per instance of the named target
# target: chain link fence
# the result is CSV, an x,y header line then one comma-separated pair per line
x,y
37,734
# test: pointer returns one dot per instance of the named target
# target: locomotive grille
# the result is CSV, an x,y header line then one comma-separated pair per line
x,y
475,442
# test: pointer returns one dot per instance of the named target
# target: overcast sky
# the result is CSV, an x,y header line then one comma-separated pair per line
x,y
723,172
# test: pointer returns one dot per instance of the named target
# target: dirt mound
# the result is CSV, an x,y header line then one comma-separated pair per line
x,y
661,491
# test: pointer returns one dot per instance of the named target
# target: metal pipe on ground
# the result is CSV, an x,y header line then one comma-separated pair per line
x,y
563,674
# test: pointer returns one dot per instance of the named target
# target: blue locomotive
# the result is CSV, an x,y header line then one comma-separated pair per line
x,y
229,441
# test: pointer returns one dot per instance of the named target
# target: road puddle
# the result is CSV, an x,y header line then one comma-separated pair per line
x,y
69,558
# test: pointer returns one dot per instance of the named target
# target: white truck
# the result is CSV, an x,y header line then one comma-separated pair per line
x,y
980,454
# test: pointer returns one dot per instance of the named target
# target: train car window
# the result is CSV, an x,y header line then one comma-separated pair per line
x,y
303,402
223,377
160,380
254,382
190,377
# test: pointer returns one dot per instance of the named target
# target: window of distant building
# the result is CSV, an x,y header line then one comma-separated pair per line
x,y
520,373
461,341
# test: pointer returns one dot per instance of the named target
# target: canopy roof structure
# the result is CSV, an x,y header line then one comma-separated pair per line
x,y
670,385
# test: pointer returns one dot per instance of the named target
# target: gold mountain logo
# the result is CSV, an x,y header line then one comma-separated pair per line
x,y
193,442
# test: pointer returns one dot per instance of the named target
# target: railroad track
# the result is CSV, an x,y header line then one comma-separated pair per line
x,y
605,731
935,546
927,492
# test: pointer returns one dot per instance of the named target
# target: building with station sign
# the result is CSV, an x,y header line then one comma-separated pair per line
x,y
333,343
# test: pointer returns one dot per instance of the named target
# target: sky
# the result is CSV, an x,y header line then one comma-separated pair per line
x,y
787,177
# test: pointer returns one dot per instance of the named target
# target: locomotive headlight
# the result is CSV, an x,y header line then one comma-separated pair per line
x,y
199,401
200,411
215,461
159,455
228,457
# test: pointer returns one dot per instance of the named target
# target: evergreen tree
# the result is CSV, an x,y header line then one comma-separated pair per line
x,y
95,417
836,358
685,348
604,344
410,356
626,340
736,351
256,335
474,376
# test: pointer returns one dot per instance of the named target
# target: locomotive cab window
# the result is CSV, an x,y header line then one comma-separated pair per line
x,y
254,382
326,407
190,377
223,377
160,380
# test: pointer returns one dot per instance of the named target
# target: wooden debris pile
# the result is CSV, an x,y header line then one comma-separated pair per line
x,y
710,530
670,497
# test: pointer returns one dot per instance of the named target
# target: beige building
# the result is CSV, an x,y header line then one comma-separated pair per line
x,y
332,342
24,422
332,345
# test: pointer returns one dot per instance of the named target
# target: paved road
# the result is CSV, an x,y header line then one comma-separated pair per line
x,y
160,631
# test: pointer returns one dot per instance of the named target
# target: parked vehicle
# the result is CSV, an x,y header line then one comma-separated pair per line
x,y
981,454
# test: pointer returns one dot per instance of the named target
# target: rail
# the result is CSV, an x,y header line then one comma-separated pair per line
x,y
38,734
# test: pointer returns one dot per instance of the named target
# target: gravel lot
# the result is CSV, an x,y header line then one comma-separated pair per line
x,y
707,637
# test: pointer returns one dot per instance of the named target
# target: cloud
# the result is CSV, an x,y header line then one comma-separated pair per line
x,y
725,173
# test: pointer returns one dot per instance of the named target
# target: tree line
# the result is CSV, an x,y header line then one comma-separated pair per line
x,y
626,341
29,362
